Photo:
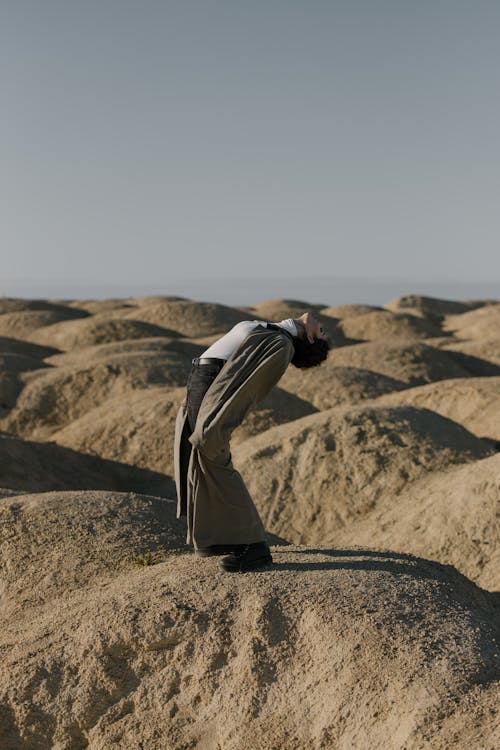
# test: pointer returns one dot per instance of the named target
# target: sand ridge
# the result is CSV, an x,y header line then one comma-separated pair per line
x,y
377,475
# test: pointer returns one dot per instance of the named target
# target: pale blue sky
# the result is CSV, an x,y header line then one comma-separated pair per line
x,y
151,141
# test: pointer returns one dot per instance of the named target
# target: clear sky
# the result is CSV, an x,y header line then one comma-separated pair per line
x,y
148,141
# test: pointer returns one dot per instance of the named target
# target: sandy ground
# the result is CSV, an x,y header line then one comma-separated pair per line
x,y
377,475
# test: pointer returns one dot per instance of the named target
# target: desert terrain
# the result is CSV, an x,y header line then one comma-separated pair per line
x,y
377,475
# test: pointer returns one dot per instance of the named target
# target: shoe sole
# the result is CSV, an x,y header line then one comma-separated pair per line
x,y
262,562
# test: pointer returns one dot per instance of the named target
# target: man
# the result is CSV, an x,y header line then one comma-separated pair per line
x,y
230,377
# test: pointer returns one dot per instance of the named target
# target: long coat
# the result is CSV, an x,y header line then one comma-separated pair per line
x,y
210,492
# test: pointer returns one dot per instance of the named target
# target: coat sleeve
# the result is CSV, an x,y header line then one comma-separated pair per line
x,y
244,381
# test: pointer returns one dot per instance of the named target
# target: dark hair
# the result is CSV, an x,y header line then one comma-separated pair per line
x,y
309,355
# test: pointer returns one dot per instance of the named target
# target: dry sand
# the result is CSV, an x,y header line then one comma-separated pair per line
x,y
379,632
348,311
432,307
471,402
91,331
383,324
186,317
53,398
477,324
411,362
318,474
328,649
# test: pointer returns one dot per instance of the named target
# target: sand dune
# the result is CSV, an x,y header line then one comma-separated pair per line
x,y
92,331
450,515
413,363
113,634
177,655
102,352
486,349
476,324
318,474
348,311
138,430
10,387
28,466
26,348
10,362
383,324
22,324
278,407
99,306
472,402
188,318
329,385
98,532
16,304
431,307
54,398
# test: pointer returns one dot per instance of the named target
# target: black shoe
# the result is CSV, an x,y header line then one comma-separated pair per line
x,y
216,549
247,557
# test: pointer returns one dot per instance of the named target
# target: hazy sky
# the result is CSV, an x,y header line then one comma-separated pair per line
x,y
154,140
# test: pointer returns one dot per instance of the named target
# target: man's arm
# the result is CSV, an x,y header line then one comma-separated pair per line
x,y
309,328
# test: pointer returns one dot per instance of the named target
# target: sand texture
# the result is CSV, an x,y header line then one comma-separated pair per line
x,y
377,475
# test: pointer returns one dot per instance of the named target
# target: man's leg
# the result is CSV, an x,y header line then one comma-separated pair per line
x,y
221,511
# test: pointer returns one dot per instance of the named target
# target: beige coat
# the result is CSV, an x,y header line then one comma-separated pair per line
x,y
210,492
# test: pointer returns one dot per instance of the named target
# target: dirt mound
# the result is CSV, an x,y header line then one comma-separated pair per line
x,y
451,516
91,331
315,475
188,318
179,655
430,307
19,363
99,532
412,363
328,386
21,324
137,430
348,311
278,407
26,348
153,299
99,306
485,349
472,402
18,304
55,398
16,358
383,324
280,309
102,352
11,386
52,467
483,323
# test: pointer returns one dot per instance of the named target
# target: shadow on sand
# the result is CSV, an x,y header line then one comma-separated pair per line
x,y
396,563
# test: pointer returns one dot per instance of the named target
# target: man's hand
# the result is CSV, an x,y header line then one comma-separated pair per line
x,y
309,328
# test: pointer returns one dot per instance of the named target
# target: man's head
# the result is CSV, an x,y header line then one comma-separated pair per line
x,y
309,355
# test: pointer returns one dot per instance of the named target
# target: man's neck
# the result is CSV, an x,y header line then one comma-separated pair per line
x,y
301,329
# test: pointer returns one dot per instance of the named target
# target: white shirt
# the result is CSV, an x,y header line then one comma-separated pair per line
x,y
227,344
